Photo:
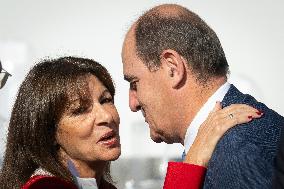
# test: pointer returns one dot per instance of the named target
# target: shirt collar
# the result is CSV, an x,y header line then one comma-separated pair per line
x,y
41,171
86,183
82,183
203,114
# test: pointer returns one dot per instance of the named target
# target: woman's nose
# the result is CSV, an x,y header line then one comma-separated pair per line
x,y
103,115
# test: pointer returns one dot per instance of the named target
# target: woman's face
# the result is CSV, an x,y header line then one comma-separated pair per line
x,y
90,132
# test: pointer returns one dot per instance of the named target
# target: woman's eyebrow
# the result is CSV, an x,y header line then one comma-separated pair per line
x,y
105,93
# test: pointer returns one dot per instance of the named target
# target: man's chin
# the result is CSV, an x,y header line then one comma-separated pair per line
x,y
160,139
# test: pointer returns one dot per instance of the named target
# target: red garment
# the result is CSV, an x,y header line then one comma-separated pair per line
x,y
42,182
179,176
50,182
184,176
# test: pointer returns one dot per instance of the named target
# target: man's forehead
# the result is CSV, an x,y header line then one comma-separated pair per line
x,y
131,62
129,41
129,71
133,67
128,54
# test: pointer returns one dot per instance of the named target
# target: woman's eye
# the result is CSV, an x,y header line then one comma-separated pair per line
x,y
107,100
79,110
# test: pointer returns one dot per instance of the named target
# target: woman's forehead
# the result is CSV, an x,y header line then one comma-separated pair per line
x,y
88,88
95,85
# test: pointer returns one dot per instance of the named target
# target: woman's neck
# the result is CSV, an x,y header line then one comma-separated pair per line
x,y
90,169
84,169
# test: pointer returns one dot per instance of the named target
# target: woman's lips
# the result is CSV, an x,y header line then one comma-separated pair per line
x,y
114,141
109,139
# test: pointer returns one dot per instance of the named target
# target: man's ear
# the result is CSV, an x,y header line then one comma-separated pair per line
x,y
175,67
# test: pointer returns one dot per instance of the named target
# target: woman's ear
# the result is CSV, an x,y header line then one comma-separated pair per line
x,y
175,67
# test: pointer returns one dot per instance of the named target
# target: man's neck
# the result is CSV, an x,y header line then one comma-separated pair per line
x,y
197,97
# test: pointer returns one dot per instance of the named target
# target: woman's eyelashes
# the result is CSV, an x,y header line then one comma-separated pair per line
x,y
80,110
85,107
106,99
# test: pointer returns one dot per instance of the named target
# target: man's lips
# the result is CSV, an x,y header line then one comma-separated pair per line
x,y
144,114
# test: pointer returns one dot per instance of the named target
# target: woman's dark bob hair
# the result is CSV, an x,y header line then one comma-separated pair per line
x,y
42,98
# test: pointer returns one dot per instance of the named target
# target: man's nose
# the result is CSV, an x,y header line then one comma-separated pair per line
x,y
133,101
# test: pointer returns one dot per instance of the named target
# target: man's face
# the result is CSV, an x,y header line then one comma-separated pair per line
x,y
148,92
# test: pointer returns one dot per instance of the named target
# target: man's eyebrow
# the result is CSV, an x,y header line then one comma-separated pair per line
x,y
129,78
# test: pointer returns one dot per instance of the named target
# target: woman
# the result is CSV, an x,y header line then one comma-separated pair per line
x,y
63,131
53,123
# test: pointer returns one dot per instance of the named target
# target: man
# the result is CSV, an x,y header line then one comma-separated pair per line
x,y
3,76
177,70
279,171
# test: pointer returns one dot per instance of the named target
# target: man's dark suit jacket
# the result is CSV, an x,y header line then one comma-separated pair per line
x,y
279,171
245,156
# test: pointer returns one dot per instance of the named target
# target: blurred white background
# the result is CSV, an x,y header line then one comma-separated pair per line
x,y
251,32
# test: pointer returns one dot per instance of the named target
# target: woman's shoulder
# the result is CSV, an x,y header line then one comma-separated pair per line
x,y
43,181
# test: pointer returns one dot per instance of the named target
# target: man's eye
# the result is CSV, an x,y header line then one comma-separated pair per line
x,y
133,85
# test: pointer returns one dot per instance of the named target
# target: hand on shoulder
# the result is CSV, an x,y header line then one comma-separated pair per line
x,y
213,128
